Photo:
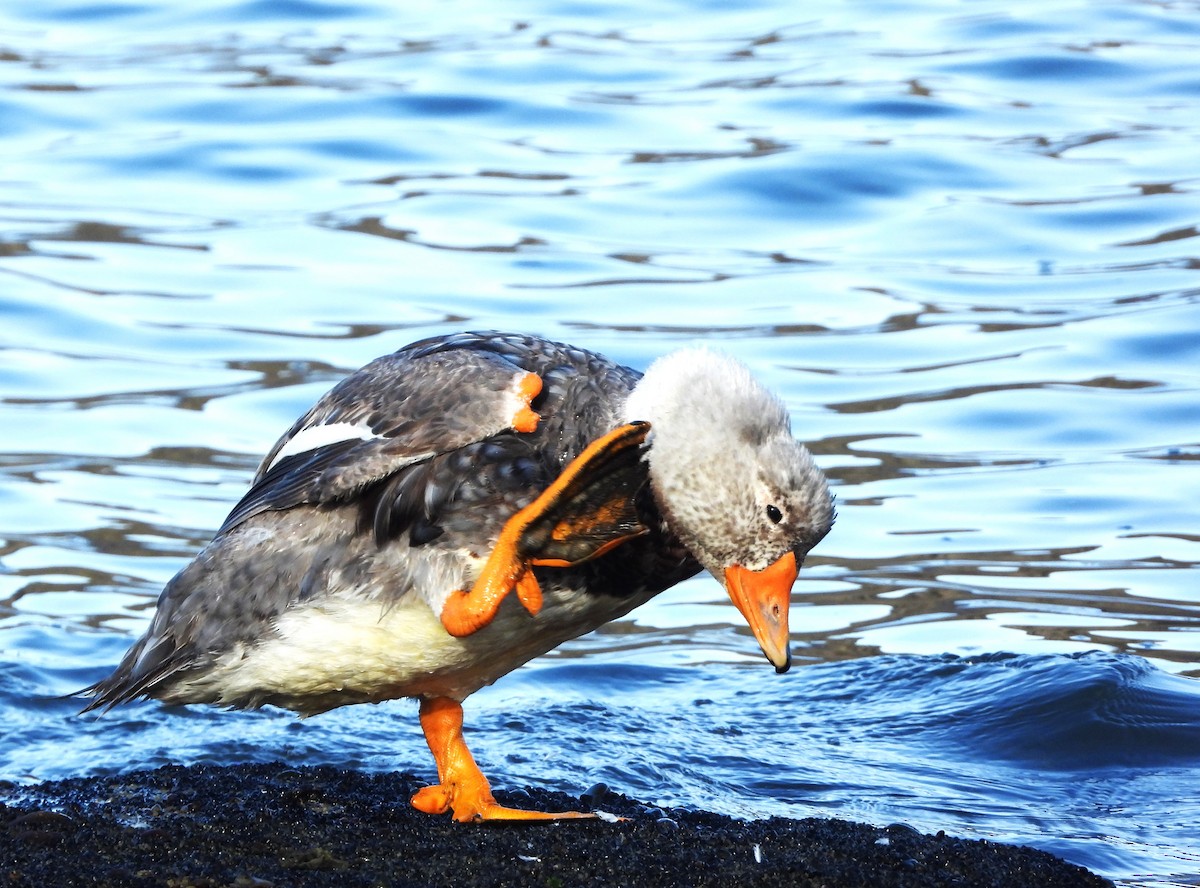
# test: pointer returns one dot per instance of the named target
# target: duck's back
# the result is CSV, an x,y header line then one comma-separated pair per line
x,y
387,494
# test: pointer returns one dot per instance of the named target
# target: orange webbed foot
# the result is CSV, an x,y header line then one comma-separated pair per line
x,y
585,512
434,799
467,612
463,790
467,804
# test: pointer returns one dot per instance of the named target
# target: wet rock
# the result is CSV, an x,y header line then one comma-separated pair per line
x,y
271,825
595,795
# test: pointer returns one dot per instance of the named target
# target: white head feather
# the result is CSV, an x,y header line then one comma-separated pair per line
x,y
722,459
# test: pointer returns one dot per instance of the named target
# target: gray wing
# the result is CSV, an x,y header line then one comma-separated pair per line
x,y
396,440
399,410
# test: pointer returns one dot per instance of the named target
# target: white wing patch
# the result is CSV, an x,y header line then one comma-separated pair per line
x,y
322,436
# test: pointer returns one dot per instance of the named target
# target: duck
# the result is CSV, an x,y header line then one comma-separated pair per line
x,y
467,503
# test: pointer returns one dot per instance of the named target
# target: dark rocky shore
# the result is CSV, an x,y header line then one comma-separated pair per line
x,y
272,825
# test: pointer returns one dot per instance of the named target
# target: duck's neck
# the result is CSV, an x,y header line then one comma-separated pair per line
x,y
678,397
705,411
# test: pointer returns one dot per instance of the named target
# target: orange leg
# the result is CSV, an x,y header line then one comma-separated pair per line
x,y
508,566
467,612
462,788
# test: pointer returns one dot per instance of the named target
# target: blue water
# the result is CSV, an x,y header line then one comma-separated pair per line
x,y
959,238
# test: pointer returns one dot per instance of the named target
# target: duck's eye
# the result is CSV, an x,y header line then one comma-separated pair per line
x,y
774,514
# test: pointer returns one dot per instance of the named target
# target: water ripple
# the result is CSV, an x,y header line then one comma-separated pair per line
x,y
961,243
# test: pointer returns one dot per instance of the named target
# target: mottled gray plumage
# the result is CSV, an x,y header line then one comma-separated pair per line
x,y
340,516
324,585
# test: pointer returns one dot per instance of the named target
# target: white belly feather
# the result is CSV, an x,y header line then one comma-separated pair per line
x,y
351,650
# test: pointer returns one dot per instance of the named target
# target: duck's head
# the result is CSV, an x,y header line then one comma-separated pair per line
x,y
734,486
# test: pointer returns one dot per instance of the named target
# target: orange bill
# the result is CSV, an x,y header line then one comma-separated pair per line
x,y
763,596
